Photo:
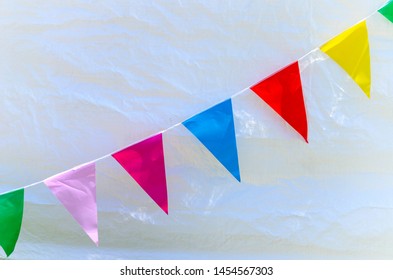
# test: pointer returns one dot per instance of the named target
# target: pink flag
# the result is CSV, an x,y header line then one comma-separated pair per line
x,y
76,189
144,161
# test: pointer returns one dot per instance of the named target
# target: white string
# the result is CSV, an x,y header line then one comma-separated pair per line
x,y
160,132
110,154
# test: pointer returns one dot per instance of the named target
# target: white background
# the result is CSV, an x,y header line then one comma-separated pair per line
x,y
81,79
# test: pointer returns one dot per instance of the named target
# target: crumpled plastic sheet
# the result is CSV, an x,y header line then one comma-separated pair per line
x,y
80,80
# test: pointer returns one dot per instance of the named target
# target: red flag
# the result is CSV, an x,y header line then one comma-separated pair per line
x,y
283,93
144,161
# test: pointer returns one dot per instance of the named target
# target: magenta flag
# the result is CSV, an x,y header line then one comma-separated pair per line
x,y
76,190
144,161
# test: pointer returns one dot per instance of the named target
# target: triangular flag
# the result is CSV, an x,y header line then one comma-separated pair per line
x,y
387,10
11,214
284,94
351,51
76,190
144,161
216,130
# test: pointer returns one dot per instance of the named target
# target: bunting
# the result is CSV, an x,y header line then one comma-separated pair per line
x,y
284,94
76,190
144,162
351,51
216,130
11,215
387,10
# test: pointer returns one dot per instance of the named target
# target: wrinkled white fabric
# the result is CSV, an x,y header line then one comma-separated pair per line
x,y
81,79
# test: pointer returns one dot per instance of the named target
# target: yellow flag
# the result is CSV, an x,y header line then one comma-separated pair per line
x,y
351,51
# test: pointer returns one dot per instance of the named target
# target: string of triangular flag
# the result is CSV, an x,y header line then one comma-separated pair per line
x,y
214,128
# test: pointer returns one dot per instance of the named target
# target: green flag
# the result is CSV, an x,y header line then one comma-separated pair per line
x,y
11,213
387,10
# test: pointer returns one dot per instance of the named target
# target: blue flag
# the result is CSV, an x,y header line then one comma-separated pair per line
x,y
216,130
